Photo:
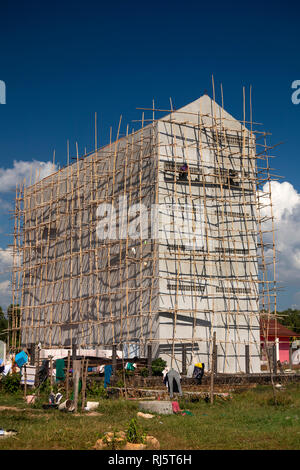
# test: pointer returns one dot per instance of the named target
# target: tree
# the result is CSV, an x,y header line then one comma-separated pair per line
x,y
290,318
3,326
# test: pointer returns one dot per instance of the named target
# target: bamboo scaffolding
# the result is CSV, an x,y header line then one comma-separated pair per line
x,y
108,291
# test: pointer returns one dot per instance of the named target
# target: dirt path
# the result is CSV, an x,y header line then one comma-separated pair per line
x,y
11,408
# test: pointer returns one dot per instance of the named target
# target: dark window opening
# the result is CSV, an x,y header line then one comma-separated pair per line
x,y
49,233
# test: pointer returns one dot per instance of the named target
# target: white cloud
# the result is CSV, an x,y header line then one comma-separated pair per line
x,y
30,171
6,263
286,211
5,287
6,259
5,294
9,177
285,199
5,206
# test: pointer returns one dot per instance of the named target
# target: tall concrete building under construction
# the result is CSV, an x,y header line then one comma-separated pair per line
x,y
154,239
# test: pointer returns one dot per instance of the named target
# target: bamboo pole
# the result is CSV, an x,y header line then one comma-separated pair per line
x,y
84,379
212,371
68,375
76,378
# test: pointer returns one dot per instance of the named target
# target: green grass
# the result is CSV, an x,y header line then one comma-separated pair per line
x,y
249,421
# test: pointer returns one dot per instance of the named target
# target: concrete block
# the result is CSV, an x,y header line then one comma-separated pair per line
x,y
160,407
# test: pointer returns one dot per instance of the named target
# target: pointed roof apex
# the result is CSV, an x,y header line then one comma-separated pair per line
x,y
209,109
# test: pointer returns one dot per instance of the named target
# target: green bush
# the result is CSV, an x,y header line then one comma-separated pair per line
x,y
45,387
134,434
97,390
11,383
158,366
127,373
120,384
144,372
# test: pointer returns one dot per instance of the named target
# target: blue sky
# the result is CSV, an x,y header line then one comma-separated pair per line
x,y
64,61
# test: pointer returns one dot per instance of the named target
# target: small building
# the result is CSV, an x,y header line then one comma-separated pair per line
x,y
278,334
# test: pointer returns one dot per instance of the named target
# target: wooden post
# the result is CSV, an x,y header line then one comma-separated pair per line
x,y
149,359
290,356
73,352
114,359
37,357
274,359
32,354
212,369
51,373
123,367
25,382
37,365
215,355
84,377
184,371
68,375
76,377
247,359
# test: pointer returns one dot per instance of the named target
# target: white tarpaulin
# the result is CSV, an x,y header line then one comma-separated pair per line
x,y
30,375
61,353
296,357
